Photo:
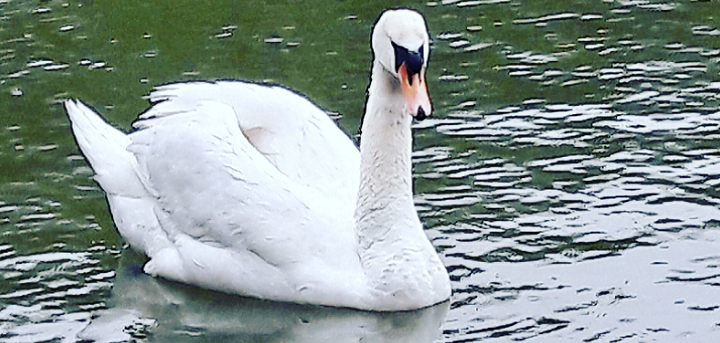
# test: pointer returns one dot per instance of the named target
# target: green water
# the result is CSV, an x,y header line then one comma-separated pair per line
x,y
569,176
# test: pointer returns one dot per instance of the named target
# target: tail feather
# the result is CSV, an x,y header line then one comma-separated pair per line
x,y
105,147
116,170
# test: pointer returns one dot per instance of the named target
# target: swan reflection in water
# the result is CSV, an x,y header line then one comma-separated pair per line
x,y
166,311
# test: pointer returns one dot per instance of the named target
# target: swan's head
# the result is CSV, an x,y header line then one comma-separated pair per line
x,y
400,43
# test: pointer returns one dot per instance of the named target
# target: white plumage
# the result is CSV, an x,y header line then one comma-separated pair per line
x,y
253,190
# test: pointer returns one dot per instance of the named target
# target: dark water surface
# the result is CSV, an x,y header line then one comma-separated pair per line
x,y
570,176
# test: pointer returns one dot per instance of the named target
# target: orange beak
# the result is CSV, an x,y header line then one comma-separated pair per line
x,y
414,90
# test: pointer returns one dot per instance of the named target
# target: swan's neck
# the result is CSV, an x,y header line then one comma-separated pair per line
x,y
401,265
385,198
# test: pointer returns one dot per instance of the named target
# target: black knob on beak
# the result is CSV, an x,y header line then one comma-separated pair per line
x,y
413,60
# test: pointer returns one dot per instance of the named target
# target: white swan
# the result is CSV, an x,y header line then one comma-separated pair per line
x,y
253,190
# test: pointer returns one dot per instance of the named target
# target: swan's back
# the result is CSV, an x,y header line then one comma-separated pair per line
x,y
290,131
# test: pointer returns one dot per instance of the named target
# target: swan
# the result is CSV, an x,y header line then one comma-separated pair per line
x,y
253,190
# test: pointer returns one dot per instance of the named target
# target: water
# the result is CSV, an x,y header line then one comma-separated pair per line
x,y
569,176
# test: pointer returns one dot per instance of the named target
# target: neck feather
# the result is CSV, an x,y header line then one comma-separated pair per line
x,y
402,267
385,197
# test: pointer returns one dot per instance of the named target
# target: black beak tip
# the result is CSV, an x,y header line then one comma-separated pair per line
x,y
420,116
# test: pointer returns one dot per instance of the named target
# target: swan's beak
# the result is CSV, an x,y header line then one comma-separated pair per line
x,y
415,92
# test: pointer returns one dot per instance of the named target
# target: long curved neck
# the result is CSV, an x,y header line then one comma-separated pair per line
x,y
385,197
401,265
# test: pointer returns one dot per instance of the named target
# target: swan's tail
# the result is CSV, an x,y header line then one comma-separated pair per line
x,y
105,147
116,170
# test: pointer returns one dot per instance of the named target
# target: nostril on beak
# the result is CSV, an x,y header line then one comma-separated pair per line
x,y
420,114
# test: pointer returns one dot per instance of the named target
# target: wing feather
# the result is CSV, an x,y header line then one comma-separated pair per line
x,y
297,137
216,187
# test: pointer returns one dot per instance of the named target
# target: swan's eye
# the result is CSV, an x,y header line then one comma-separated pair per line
x,y
413,60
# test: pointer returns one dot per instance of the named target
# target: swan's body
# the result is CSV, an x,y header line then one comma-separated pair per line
x,y
253,190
